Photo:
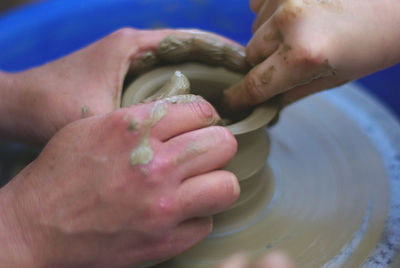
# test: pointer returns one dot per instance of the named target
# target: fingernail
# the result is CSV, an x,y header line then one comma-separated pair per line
x,y
236,186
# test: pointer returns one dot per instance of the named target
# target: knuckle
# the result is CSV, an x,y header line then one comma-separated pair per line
x,y
202,109
115,119
251,53
226,139
119,119
252,86
162,212
162,164
121,42
309,54
288,11
124,33
226,189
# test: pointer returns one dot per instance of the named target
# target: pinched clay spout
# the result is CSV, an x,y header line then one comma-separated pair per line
x,y
209,82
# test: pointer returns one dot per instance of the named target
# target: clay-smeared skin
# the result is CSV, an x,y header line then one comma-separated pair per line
x,y
142,154
158,111
181,98
267,76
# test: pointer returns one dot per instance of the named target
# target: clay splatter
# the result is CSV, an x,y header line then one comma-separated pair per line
x,y
142,154
335,5
133,126
267,75
84,111
158,111
273,36
191,151
182,98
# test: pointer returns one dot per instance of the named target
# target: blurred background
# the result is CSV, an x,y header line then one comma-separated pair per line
x,y
36,31
6,5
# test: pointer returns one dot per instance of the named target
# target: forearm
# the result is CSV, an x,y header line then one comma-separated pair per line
x,y
19,105
14,251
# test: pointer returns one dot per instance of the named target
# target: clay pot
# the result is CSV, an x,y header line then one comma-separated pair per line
x,y
209,82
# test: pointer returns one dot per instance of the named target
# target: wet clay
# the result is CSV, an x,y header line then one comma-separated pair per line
x,y
177,85
203,48
142,154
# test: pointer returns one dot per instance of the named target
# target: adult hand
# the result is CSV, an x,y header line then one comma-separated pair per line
x,y
120,189
36,103
303,46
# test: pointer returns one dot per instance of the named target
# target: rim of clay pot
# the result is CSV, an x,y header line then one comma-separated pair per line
x,y
148,83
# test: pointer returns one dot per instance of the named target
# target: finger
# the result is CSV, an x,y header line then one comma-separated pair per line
x,y
184,113
171,116
235,261
207,194
275,259
319,84
283,70
255,5
189,233
200,151
264,43
264,14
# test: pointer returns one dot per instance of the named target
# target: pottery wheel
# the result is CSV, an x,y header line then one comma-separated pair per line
x,y
330,193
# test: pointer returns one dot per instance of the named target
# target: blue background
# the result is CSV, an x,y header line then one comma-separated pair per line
x,y
45,31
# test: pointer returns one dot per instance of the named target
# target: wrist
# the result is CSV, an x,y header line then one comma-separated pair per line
x,y
16,247
20,103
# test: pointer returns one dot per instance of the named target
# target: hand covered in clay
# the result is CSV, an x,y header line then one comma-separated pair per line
x,y
124,188
274,259
303,46
36,103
